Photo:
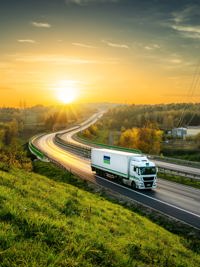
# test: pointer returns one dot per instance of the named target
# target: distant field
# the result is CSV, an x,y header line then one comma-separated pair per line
x,y
46,222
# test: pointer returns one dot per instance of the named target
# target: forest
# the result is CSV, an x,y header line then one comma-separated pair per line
x,y
148,128
18,125
165,117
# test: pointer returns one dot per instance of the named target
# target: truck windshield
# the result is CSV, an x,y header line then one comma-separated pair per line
x,y
147,170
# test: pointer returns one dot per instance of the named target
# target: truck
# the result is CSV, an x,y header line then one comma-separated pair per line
x,y
134,170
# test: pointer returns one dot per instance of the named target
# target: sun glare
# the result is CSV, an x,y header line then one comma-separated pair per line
x,y
67,92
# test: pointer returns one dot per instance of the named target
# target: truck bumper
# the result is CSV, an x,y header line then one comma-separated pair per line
x,y
142,186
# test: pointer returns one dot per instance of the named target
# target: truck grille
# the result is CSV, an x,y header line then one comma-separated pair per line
x,y
148,178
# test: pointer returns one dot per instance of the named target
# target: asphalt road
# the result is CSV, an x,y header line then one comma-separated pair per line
x,y
172,167
69,136
177,168
178,201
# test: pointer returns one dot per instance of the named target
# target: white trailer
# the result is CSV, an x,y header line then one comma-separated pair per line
x,y
131,169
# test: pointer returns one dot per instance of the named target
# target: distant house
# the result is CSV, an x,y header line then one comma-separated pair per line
x,y
179,132
193,130
183,132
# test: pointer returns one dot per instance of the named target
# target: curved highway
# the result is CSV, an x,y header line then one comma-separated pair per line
x,y
178,168
166,165
178,201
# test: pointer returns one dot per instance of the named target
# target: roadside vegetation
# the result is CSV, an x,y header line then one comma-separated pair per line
x,y
147,139
56,221
180,179
12,153
145,127
148,128
49,217
28,121
17,125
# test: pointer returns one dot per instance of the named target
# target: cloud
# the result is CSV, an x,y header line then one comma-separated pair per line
x,y
85,2
175,61
116,45
148,47
62,60
187,14
193,29
83,45
26,41
185,22
188,31
152,47
41,24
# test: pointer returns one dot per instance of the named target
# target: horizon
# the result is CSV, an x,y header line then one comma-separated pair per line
x,y
74,104
114,51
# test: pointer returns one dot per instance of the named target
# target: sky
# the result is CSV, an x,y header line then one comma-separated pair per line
x,y
122,51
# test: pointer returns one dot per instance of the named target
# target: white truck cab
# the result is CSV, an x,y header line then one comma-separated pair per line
x,y
132,169
142,172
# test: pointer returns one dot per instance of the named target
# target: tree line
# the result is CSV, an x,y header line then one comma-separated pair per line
x,y
143,126
165,117
17,125
12,153
146,139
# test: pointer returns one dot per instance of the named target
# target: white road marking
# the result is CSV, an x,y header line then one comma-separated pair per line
x,y
139,193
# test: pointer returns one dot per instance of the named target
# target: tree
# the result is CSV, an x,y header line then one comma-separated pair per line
x,y
11,132
129,138
197,140
49,122
146,139
93,129
87,134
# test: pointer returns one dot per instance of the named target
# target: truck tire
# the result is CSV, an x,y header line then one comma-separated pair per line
x,y
133,185
119,180
98,172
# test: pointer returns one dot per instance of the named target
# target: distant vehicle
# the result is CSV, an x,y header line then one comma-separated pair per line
x,y
131,169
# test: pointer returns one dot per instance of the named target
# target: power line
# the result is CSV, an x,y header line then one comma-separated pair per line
x,y
191,90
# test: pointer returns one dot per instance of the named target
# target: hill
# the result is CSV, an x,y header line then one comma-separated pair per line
x,y
46,222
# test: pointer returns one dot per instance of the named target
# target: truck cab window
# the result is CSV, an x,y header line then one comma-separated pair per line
x,y
148,170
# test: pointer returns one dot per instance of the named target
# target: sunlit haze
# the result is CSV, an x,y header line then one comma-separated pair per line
x,y
66,91
123,51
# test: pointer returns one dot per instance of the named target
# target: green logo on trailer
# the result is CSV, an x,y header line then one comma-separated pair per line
x,y
106,159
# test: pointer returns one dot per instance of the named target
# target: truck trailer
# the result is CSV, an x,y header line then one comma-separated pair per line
x,y
134,170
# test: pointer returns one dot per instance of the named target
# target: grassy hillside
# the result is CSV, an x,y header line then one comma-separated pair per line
x,y
46,222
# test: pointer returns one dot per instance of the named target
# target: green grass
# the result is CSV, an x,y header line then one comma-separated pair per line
x,y
55,222
180,179
101,137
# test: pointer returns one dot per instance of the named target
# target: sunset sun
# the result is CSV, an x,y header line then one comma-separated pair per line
x,y
66,95
66,92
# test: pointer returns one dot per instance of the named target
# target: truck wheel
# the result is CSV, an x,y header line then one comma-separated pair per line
x,y
133,185
119,180
103,174
98,172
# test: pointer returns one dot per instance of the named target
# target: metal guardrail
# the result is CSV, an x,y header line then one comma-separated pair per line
x,y
119,148
85,152
75,148
35,151
184,174
177,161
182,162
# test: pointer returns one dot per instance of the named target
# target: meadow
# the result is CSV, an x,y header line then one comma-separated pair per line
x,y
57,221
